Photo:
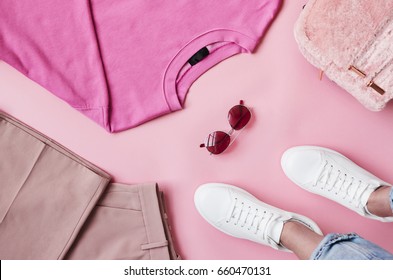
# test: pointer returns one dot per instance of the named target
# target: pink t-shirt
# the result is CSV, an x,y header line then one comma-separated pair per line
x,y
124,62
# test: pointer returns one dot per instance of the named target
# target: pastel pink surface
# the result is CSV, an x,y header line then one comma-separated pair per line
x,y
290,107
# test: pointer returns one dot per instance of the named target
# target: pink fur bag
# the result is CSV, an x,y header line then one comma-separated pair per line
x,y
351,41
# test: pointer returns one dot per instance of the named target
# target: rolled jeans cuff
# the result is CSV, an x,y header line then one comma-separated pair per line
x,y
350,246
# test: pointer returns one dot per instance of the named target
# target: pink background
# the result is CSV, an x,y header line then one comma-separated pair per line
x,y
290,107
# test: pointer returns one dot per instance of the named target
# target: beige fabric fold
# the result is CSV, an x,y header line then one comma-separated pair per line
x,y
56,205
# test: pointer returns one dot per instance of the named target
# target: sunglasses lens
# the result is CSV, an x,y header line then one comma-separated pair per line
x,y
239,116
217,142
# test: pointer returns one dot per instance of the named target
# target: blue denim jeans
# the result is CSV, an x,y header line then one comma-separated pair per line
x,y
350,247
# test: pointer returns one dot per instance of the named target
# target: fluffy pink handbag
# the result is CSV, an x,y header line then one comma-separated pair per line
x,y
351,41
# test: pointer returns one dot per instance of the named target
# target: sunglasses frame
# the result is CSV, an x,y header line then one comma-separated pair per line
x,y
229,133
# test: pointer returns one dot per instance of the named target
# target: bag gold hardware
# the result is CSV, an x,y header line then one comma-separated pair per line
x,y
357,71
371,84
375,87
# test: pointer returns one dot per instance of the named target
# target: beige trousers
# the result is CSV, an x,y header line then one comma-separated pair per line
x,y
56,205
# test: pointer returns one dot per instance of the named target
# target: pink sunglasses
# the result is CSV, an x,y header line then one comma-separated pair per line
x,y
218,141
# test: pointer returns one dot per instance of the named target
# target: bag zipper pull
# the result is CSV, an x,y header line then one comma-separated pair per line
x,y
321,72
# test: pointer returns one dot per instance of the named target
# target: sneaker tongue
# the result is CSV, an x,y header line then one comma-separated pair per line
x,y
276,230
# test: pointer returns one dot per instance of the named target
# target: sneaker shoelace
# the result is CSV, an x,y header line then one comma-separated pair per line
x,y
251,218
347,187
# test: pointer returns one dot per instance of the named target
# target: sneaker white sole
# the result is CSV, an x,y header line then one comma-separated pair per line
x,y
292,216
304,148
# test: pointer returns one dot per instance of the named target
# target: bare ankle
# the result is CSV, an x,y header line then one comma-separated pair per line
x,y
300,239
379,202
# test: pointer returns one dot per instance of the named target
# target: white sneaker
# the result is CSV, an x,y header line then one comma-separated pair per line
x,y
238,213
330,174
